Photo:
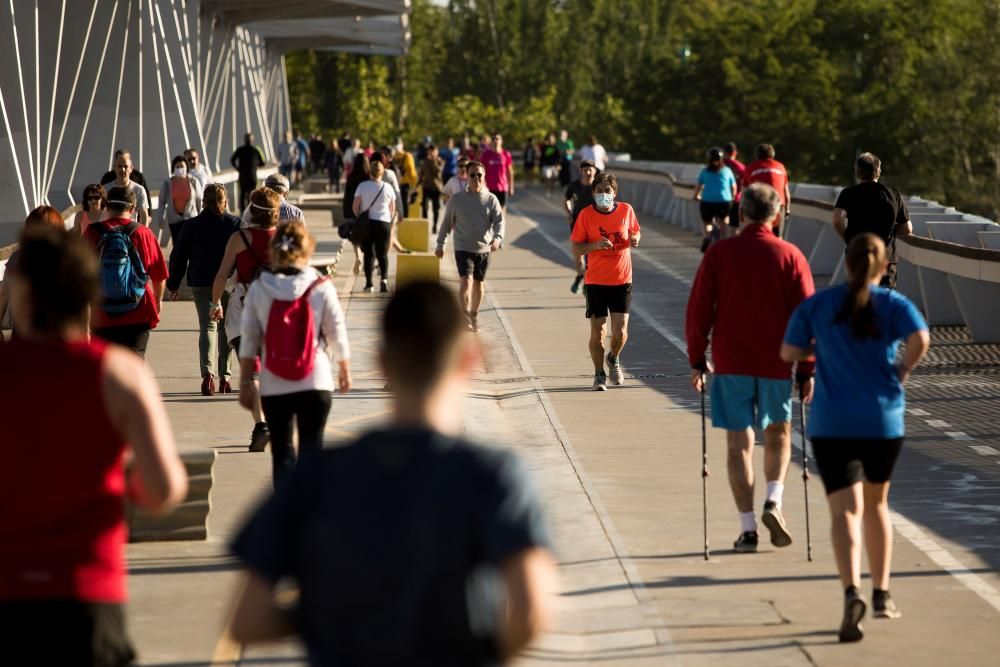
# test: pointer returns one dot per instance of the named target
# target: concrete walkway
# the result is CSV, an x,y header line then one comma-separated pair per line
x,y
620,476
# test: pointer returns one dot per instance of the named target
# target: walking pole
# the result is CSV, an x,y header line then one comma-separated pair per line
x,y
805,471
704,467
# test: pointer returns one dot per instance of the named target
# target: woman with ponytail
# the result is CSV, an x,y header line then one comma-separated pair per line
x,y
856,425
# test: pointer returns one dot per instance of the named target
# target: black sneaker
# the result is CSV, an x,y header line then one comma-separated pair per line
x,y
746,543
260,437
854,610
775,523
883,606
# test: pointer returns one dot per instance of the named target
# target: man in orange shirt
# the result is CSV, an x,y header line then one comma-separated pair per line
x,y
606,232
765,169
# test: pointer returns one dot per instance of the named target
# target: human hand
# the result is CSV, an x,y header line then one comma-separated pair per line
x,y
439,253
495,245
248,394
344,380
605,244
806,390
698,380
634,241
216,314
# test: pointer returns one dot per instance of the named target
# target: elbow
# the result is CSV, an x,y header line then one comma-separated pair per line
x,y
789,353
164,497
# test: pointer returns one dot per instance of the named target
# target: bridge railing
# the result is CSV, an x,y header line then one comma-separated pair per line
x,y
950,266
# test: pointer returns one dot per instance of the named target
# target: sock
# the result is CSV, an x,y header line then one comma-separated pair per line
x,y
850,591
774,492
612,359
748,522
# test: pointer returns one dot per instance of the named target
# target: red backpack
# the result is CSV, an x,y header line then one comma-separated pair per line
x,y
289,341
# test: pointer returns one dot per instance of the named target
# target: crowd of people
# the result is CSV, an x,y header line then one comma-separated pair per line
x,y
83,303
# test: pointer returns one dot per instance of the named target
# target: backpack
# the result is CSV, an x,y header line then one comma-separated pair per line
x,y
180,193
123,275
289,340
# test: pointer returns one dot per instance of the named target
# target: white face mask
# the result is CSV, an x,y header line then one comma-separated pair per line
x,y
604,200
180,171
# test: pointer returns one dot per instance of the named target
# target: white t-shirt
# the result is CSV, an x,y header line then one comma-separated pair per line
x,y
597,154
140,196
376,204
454,186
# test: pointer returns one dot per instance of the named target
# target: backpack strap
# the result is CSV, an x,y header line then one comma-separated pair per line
x,y
314,285
130,228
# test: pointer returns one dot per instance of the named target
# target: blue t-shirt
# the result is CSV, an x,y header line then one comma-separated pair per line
x,y
858,392
718,185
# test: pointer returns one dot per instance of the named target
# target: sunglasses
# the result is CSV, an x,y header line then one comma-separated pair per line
x,y
475,175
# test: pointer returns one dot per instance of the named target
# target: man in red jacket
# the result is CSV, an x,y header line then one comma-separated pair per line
x,y
745,291
765,169
129,325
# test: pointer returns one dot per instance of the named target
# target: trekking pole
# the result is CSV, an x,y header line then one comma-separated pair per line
x,y
805,471
704,467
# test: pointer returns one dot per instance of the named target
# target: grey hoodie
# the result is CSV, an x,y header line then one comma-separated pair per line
x,y
328,318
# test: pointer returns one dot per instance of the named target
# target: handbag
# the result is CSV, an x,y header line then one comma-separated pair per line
x,y
363,218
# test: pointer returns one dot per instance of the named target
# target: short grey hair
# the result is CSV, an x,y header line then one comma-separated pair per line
x,y
760,203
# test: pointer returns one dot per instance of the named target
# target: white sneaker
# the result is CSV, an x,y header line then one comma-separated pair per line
x,y
615,371
600,381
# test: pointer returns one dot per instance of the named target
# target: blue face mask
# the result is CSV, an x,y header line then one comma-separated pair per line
x,y
604,201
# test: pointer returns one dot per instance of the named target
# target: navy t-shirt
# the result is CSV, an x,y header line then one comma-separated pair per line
x,y
395,543
858,392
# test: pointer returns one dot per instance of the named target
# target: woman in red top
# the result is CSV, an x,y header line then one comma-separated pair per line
x,y
62,566
248,251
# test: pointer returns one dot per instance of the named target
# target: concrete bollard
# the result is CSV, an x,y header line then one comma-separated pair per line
x,y
414,234
410,268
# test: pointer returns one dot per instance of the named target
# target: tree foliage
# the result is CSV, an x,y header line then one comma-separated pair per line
x,y
915,82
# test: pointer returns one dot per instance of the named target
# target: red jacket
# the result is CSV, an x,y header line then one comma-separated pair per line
x,y
743,294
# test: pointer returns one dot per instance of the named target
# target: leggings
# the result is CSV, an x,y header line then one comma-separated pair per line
x,y
310,410
375,246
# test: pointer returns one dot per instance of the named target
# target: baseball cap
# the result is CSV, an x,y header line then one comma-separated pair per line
x,y
277,182
588,163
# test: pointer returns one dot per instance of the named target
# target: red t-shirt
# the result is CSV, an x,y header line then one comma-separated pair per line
x,y
768,171
743,295
496,165
258,254
148,248
607,267
738,169
62,518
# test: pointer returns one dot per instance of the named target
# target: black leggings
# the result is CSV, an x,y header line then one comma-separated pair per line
x,y
310,410
432,199
375,245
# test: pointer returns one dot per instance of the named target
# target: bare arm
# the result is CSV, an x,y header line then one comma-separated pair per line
x,y
916,347
257,616
697,192
840,221
157,481
530,580
790,353
586,248
788,197
356,206
228,262
903,228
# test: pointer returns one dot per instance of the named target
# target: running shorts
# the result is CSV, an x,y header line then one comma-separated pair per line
x,y
734,214
550,172
604,299
738,399
501,195
843,462
472,263
713,209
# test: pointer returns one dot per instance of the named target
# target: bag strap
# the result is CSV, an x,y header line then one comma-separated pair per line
x,y
314,285
377,195
130,228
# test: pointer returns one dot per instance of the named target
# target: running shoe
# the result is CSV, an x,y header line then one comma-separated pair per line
x,y
854,610
883,606
260,437
775,522
600,381
746,543
383,286
615,371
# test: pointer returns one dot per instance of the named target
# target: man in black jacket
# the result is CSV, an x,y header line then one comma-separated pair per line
x,y
198,254
245,160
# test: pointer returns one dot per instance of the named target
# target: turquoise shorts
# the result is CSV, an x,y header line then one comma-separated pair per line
x,y
737,398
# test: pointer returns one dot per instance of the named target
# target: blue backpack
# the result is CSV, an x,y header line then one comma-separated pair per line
x,y
123,276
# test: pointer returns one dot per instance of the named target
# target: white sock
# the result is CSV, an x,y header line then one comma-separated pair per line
x,y
748,522
774,492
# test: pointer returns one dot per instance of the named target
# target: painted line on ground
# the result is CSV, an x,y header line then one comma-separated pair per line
x,y
907,529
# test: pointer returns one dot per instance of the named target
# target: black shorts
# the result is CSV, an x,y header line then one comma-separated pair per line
x,y
472,263
65,632
713,209
843,462
501,196
602,299
734,215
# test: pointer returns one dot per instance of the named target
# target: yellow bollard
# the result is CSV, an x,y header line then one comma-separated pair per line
x,y
414,233
417,267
